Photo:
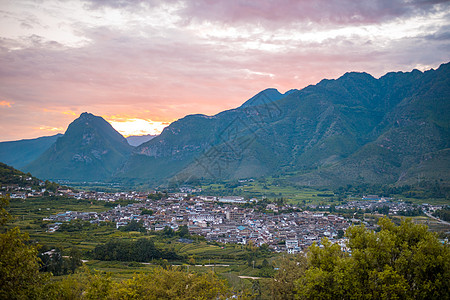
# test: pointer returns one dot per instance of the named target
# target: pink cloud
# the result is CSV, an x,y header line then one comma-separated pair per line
x,y
5,103
171,73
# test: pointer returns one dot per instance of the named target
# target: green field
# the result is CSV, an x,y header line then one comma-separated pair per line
x,y
229,261
275,188
272,189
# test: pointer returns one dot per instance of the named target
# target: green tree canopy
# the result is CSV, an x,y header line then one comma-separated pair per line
x,y
398,262
19,263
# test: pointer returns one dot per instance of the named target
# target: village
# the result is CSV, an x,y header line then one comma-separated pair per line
x,y
232,219
226,219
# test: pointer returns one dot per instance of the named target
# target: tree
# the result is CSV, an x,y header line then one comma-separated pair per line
x,y
74,259
19,263
398,262
145,211
171,284
168,232
4,215
266,269
291,268
183,231
133,226
54,262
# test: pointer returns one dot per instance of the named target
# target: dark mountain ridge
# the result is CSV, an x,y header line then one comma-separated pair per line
x,y
350,130
329,132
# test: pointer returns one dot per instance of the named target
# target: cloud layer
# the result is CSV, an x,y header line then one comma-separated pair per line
x,y
160,60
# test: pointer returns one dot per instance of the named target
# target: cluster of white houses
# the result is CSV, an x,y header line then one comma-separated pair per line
x,y
222,219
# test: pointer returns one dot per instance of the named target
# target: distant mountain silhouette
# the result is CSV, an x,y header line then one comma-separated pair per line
x,y
20,153
136,140
352,130
90,150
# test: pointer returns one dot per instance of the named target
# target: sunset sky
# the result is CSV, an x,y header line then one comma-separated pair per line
x,y
143,64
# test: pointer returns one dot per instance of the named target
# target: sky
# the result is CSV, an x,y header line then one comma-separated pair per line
x,y
143,64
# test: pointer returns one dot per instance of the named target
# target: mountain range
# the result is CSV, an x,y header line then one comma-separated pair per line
x,y
352,130
137,140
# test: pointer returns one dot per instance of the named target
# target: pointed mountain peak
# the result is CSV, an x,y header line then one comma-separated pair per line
x,y
90,149
95,122
86,115
356,75
266,96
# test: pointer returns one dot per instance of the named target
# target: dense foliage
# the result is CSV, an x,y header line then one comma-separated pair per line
x,y
133,226
398,262
142,250
161,283
20,276
19,264
443,214
9,175
52,260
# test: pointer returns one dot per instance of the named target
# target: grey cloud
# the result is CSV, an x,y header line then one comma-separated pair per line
x,y
164,69
282,12
443,34
132,5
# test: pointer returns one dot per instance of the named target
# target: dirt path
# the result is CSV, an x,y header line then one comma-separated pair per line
x,y
249,277
437,219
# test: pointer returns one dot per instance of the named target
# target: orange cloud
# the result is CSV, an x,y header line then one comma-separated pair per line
x,y
64,112
6,103
50,128
70,113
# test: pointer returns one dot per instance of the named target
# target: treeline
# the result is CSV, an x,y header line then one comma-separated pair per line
x,y
142,250
443,214
9,175
398,262
422,190
384,209
121,202
415,211
170,283
52,260
21,275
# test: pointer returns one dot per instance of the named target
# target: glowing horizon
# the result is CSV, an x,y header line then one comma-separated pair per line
x,y
158,61
136,127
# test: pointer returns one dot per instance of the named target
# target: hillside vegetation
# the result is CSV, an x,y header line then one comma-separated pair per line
x,y
357,130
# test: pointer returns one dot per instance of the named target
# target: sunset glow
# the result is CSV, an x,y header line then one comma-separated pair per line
x,y
5,103
158,61
138,126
